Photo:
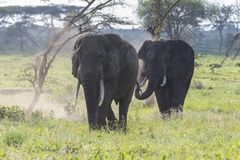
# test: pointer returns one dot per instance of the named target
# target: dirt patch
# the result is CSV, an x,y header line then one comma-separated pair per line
x,y
14,91
23,97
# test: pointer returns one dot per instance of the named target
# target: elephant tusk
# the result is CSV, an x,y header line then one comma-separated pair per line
x,y
78,87
164,81
143,82
101,95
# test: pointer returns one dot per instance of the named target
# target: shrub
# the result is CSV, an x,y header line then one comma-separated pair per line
x,y
14,138
13,113
237,64
215,65
197,85
70,108
196,64
37,115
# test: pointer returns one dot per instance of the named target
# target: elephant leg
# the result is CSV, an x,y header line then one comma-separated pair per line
x,y
186,89
162,97
102,111
178,93
123,108
112,120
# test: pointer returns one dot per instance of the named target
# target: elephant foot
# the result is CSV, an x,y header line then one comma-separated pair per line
x,y
122,126
113,125
165,115
92,127
176,112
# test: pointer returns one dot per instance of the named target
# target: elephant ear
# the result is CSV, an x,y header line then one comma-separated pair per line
x,y
177,62
144,49
111,66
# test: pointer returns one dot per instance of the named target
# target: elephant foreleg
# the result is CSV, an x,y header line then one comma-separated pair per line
x,y
112,120
162,96
178,94
102,111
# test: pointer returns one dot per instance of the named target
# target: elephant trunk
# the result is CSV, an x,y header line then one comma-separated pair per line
x,y
90,86
152,84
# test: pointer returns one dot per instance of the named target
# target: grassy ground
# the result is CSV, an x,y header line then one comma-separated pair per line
x,y
208,129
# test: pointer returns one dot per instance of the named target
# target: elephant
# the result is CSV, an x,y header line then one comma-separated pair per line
x,y
168,66
106,66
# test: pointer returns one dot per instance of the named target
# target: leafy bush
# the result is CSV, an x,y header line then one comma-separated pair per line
x,y
197,85
237,64
70,108
37,115
215,65
196,64
14,138
13,113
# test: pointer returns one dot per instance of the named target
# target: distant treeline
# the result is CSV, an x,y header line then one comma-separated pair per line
x,y
13,40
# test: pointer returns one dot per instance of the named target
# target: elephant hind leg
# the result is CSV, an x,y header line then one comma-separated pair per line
x,y
123,108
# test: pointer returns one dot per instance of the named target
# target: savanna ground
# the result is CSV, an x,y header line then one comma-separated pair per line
x,y
208,129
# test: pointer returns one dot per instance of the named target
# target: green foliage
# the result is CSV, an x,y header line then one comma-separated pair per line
x,y
237,64
154,13
185,15
197,85
13,113
14,138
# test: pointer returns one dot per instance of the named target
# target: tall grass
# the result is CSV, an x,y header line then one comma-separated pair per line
x,y
208,129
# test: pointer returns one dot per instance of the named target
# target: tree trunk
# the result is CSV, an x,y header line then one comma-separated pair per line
x,y
32,104
221,42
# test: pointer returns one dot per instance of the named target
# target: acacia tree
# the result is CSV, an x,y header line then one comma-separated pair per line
x,y
154,14
220,17
186,15
90,18
19,21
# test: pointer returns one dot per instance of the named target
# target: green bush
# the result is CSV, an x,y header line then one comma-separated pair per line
x,y
197,85
215,65
13,113
37,115
237,64
14,138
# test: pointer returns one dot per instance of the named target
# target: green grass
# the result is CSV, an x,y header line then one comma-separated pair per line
x,y
208,129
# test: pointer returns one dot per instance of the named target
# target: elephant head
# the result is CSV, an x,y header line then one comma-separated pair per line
x,y
159,61
92,63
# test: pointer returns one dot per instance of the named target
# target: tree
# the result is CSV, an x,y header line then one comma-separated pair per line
x,y
154,14
90,18
185,16
220,17
20,20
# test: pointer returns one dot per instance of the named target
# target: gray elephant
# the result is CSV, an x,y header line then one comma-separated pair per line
x,y
168,67
106,66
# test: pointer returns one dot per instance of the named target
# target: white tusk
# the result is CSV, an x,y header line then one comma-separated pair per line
x,y
164,81
78,87
101,95
143,82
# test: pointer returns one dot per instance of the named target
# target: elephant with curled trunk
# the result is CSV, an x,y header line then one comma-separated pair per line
x,y
106,66
168,67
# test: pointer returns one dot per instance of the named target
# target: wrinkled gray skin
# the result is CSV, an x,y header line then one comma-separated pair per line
x,y
168,67
105,59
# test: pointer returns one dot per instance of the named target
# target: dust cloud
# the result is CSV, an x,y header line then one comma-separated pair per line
x,y
23,97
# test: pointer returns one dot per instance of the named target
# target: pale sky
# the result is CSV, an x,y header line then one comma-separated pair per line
x,y
129,11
